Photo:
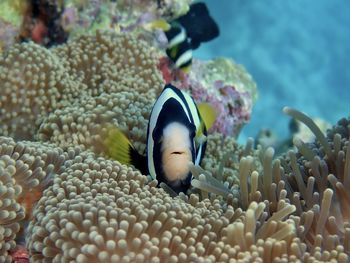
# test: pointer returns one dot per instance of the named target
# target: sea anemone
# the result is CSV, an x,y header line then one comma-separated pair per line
x,y
312,180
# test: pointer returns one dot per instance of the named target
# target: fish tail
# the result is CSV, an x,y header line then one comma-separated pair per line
x,y
120,148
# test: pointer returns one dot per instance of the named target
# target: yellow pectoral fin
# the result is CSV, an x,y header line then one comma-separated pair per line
x,y
173,52
207,113
118,145
158,24
200,131
186,69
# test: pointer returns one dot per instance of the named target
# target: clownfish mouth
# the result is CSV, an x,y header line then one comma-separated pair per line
x,y
177,152
175,164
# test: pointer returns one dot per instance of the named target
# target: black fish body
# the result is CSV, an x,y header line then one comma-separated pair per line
x,y
176,110
187,32
199,25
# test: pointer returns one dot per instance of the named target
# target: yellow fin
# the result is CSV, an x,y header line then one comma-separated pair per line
x,y
207,113
186,69
118,145
173,52
158,24
200,133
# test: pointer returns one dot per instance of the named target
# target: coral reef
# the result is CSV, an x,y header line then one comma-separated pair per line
x,y
11,18
285,210
36,20
93,61
229,88
86,17
93,201
243,204
41,23
11,11
49,23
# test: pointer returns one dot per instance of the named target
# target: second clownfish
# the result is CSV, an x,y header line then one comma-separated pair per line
x,y
186,33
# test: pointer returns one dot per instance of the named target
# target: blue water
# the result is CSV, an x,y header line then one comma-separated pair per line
x,y
297,51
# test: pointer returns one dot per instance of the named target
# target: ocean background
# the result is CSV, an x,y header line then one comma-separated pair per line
x,y
297,51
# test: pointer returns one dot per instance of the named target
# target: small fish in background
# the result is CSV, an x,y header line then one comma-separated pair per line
x,y
186,33
176,137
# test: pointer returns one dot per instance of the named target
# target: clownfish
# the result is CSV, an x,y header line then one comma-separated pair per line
x,y
176,137
186,33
